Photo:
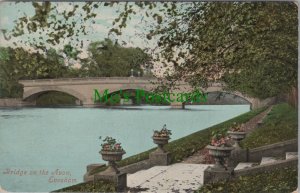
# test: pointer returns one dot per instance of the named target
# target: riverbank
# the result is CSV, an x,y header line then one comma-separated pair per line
x,y
281,124
202,156
186,146
179,149
67,124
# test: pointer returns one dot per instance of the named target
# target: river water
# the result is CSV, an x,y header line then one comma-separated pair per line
x,y
44,149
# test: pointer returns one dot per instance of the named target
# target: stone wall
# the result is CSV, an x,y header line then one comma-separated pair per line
x,y
154,160
276,149
132,168
293,162
213,176
254,155
258,103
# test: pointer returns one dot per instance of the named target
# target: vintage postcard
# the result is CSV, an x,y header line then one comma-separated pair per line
x,y
147,96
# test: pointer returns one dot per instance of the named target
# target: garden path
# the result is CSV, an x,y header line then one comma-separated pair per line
x,y
180,178
202,157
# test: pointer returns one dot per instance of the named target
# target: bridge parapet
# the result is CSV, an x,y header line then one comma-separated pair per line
x,y
90,78
80,81
102,80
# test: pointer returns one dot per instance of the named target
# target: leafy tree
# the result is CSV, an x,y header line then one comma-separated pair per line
x,y
16,64
56,26
250,46
110,59
70,51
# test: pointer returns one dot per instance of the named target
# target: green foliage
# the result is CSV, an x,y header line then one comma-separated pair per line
x,y
252,47
220,138
281,124
111,59
277,181
110,144
64,24
70,51
99,186
16,64
164,132
220,133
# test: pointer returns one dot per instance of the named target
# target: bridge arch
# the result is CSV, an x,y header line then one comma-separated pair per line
x,y
227,98
142,97
131,87
219,88
32,94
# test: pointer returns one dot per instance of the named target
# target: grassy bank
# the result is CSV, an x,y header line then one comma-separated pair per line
x,y
99,186
280,124
186,146
278,181
180,149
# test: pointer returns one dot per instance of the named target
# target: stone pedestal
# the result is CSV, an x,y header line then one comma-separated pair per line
x,y
212,175
237,136
119,179
177,105
87,177
237,156
93,166
160,158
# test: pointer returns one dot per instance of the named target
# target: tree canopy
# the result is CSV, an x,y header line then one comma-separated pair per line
x,y
107,58
16,64
252,47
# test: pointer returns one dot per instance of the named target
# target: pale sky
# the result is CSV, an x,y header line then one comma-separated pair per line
x,y
10,11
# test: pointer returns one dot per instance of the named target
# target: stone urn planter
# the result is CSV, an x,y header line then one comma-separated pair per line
x,y
112,152
237,133
237,136
112,157
160,141
161,138
220,154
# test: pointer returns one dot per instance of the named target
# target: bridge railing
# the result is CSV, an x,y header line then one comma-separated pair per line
x,y
114,79
90,78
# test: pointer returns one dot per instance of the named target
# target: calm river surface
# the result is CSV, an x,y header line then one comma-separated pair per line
x,y
38,145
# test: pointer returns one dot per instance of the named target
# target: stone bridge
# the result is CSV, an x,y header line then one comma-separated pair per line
x,y
83,88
